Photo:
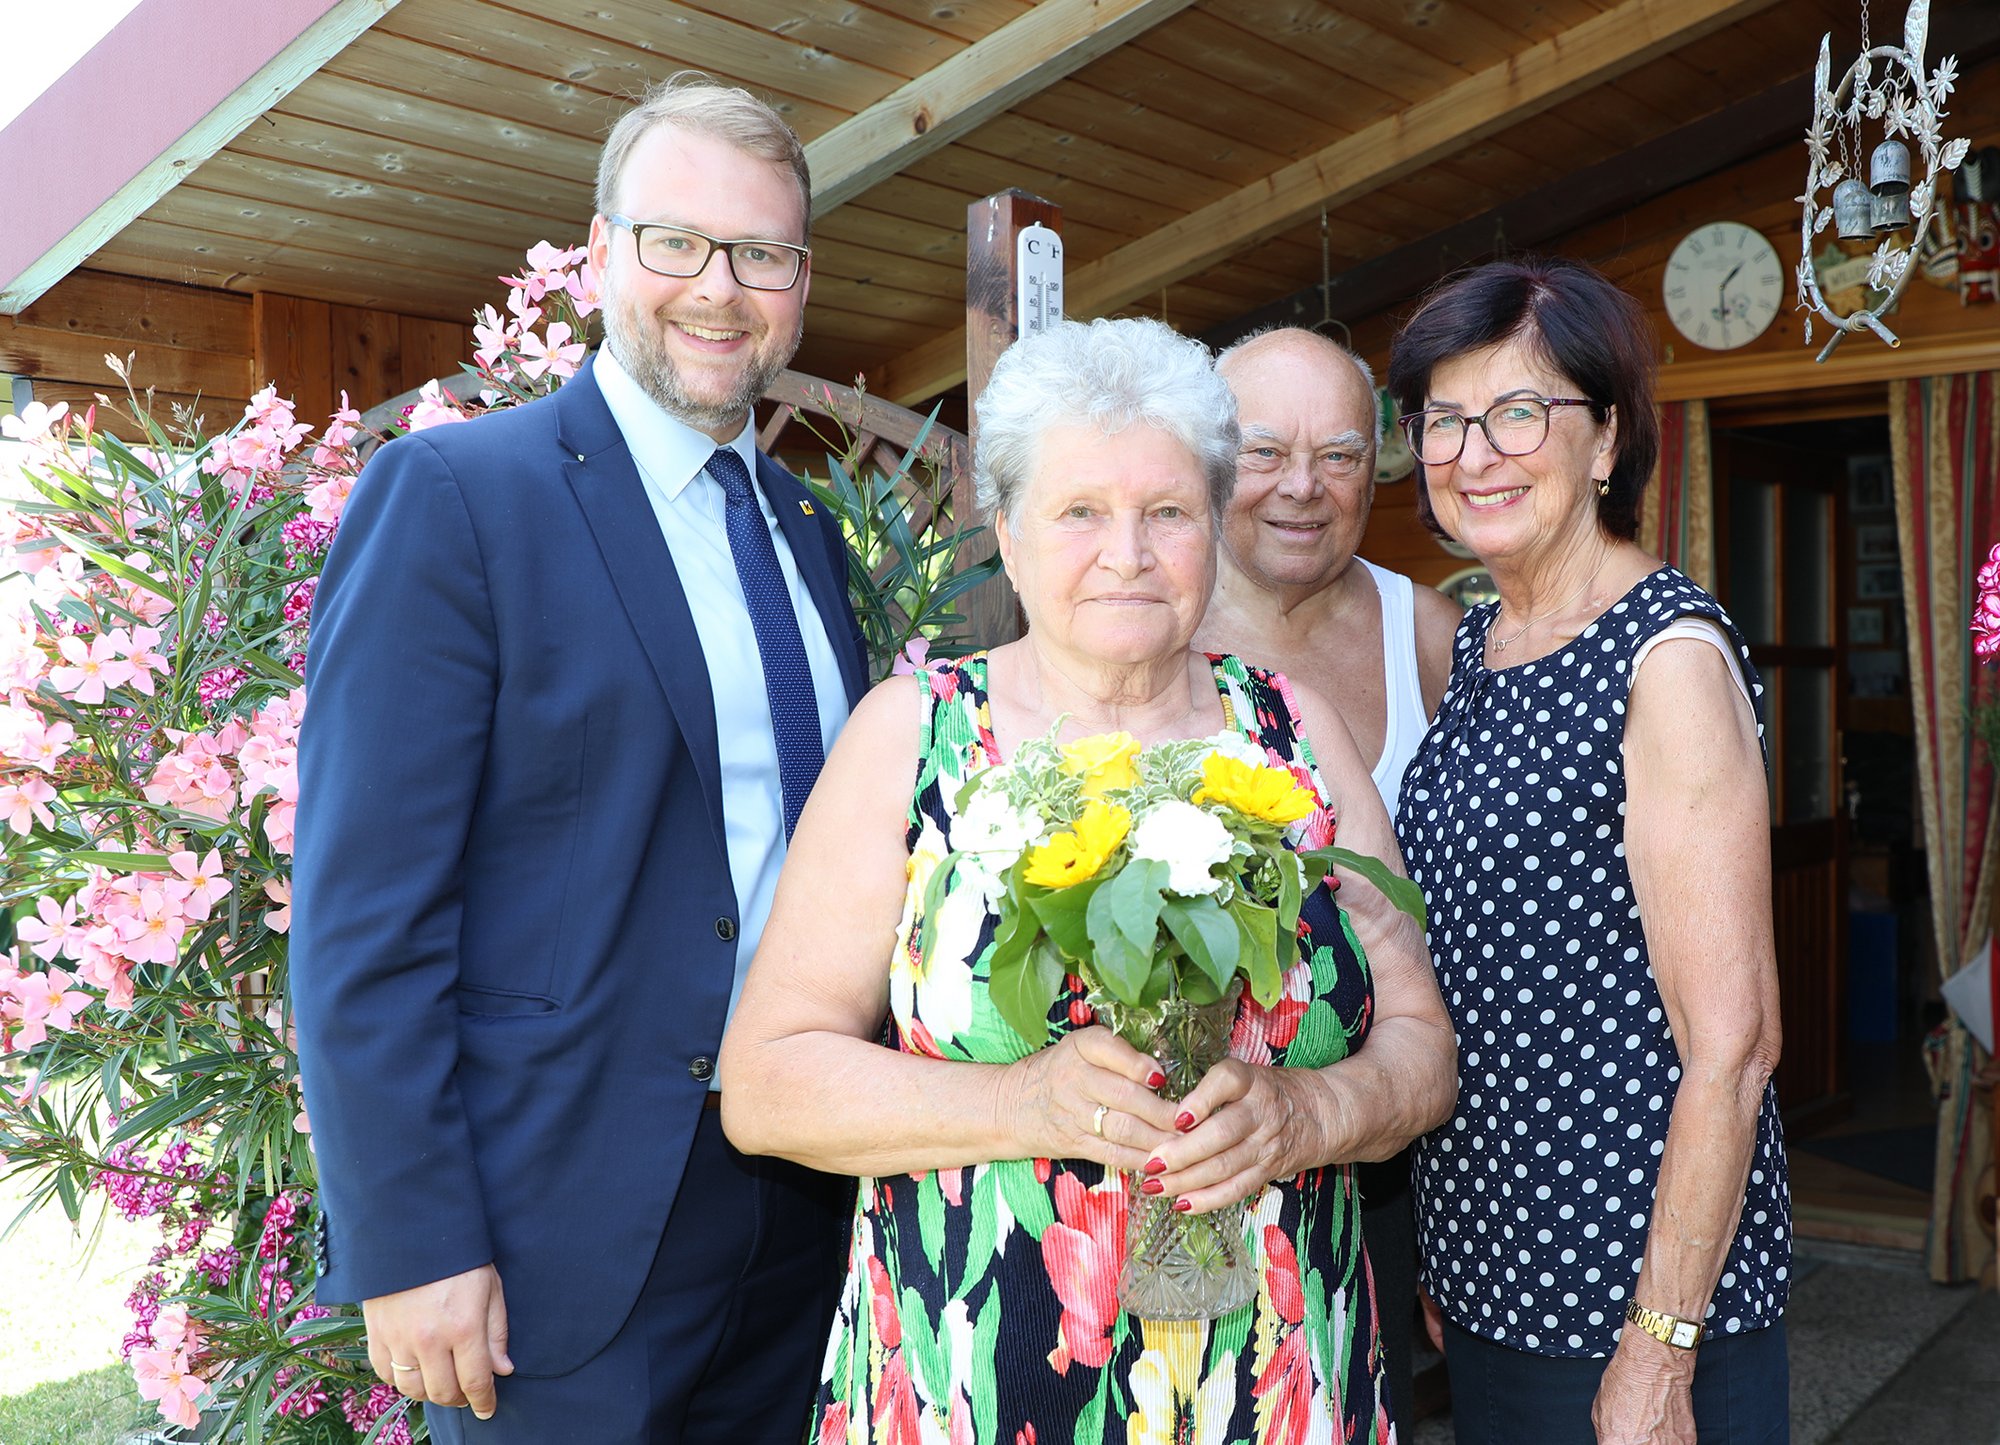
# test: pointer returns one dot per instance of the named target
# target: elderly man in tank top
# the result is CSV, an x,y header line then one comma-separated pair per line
x,y
1292,595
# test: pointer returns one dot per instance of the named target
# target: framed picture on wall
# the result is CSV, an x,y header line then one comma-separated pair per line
x,y
1867,627
1878,580
1875,542
1869,484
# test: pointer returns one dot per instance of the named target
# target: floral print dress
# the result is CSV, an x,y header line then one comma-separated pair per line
x,y
980,1306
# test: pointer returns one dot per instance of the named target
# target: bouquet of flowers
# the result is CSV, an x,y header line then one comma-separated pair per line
x,y
1164,878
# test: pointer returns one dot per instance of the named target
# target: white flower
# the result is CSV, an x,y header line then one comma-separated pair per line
x,y
938,989
992,824
1188,840
36,421
1232,744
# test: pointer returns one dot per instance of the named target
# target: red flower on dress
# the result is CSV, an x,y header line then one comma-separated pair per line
x,y
1259,1032
833,1424
1083,1252
895,1418
1289,1375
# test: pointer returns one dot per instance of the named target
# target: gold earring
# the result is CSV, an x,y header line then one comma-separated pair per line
x,y
1604,486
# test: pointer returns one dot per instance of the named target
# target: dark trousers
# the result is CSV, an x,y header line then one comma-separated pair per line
x,y
726,1340
1504,1396
1389,1230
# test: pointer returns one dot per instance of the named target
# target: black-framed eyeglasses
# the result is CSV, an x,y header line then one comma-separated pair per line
x,y
677,251
1514,427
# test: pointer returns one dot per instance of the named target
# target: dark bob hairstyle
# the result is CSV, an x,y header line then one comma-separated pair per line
x,y
1578,324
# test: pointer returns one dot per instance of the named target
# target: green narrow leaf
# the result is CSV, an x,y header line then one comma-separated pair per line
x,y
984,1238
1026,1198
985,1397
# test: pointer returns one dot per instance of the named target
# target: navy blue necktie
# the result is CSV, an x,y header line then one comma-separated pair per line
x,y
788,682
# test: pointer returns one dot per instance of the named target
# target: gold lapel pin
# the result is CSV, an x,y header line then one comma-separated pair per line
x,y
806,507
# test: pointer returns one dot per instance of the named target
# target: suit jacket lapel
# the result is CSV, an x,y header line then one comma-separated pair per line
x,y
809,551
599,469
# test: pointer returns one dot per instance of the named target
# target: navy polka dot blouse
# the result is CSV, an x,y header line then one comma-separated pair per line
x,y
1535,1199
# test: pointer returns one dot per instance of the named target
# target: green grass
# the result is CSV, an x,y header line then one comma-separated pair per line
x,y
62,1314
94,1409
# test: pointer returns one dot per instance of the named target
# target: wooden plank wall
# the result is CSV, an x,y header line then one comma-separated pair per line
x,y
1632,249
208,350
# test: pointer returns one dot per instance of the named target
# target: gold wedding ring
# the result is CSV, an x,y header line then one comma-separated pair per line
x,y
399,1365
1097,1120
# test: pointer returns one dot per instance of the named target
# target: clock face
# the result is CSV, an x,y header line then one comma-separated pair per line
x,y
1723,285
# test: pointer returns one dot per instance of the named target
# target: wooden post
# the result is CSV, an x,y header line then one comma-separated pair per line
x,y
991,326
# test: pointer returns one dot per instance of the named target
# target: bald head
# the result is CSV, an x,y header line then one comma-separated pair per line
x,y
1296,347
1305,477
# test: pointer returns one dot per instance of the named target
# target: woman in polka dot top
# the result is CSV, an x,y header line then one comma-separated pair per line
x,y
1604,1220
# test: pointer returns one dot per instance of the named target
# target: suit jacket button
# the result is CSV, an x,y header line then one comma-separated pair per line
x,y
725,929
701,1068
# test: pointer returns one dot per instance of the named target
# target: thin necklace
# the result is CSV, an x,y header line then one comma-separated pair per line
x,y
1501,644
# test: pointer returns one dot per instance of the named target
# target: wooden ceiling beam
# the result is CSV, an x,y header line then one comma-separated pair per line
x,y
983,80
1586,55
1713,143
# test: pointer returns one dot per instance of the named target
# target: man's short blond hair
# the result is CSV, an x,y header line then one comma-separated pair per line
x,y
702,105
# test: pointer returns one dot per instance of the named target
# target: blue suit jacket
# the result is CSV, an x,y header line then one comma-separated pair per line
x,y
513,917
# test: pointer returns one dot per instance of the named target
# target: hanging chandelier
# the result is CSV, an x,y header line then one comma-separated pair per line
x,y
1903,101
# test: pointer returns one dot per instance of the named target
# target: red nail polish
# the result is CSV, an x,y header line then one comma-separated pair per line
x,y
1181,1206
1156,1166
1184,1123
1155,1079
1152,1186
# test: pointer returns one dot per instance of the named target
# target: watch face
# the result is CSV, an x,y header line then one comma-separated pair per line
x,y
1723,285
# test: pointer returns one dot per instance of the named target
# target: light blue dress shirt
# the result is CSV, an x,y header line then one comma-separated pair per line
x,y
672,458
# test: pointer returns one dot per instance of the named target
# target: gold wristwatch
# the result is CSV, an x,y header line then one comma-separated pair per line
x,y
1667,1329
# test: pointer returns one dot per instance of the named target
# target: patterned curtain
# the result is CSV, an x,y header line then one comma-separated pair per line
x,y
1944,434
1677,510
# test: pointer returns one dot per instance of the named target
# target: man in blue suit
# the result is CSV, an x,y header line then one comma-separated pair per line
x,y
572,672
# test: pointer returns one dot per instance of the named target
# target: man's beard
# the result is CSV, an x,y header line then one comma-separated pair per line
x,y
642,351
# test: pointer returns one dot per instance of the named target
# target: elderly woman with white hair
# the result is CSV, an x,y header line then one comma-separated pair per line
x,y
990,1225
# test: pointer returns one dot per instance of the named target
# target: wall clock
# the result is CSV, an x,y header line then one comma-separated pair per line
x,y
1723,285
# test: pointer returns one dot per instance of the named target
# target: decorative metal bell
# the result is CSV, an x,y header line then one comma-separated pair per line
x,y
1889,170
1889,211
1853,211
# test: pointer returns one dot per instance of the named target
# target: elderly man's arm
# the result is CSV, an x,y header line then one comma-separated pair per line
x,y
1253,1125
1697,837
802,1074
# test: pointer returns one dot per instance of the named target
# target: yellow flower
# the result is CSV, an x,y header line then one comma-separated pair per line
x,y
1271,794
1103,762
1076,855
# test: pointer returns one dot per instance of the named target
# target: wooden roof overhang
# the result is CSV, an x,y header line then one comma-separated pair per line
x,y
1213,159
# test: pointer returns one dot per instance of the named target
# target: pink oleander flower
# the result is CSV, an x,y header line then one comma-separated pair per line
x,y
45,1001
524,311
193,780
434,408
279,891
220,685
911,659
154,932
205,882
336,442
299,600
168,1378
327,497
25,802
556,356
584,290
53,930
496,337
140,650
548,270
93,666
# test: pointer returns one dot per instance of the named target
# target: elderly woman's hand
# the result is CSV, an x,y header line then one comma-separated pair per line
x,y
1245,1125
1050,1102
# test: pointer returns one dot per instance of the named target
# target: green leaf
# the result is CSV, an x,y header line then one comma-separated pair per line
x,y
1063,912
122,862
920,1344
1400,891
1286,865
930,1220
985,1342
1023,979
984,1239
1027,1199
1259,929
1123,921
1208,935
